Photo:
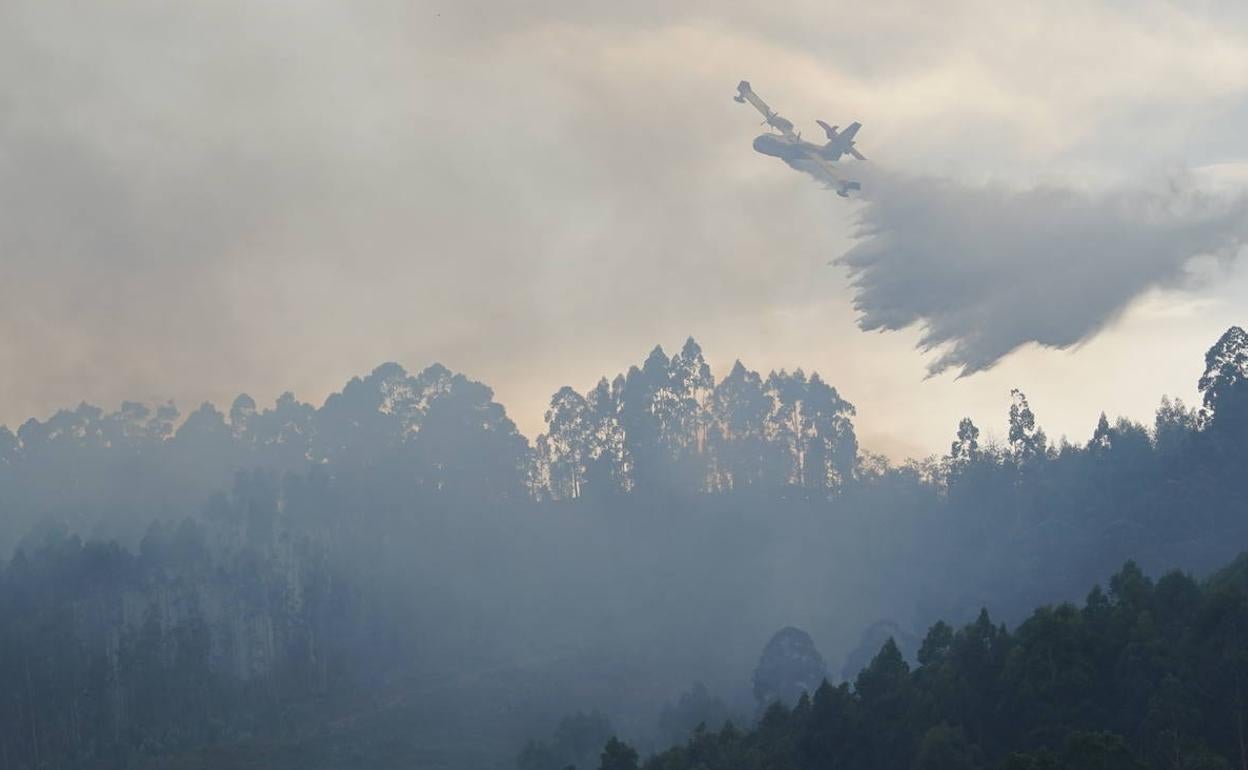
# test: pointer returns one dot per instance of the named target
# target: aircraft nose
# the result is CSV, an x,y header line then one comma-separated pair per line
x,y
768,145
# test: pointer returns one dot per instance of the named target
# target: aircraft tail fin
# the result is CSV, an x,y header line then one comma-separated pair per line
x,y
829,130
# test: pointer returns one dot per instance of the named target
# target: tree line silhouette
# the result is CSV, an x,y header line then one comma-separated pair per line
x,y
262,558
1149,674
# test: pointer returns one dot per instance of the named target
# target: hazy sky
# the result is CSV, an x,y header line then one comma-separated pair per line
x,y
202,199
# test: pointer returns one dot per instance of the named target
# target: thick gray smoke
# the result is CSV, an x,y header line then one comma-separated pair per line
x,y
987,269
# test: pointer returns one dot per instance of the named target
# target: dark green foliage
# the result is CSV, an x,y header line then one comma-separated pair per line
x,y
1150,676
618,755
945,748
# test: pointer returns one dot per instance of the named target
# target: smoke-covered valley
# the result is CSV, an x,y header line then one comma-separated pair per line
x,y
400,574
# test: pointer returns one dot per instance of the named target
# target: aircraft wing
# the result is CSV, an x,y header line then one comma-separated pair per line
x,y
856,154
850,131
746,94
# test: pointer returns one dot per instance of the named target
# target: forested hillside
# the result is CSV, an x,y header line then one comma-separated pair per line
x,y
360,577
1148,674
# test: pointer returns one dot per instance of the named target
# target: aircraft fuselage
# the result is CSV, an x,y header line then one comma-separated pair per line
x,y
806,157
782,147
